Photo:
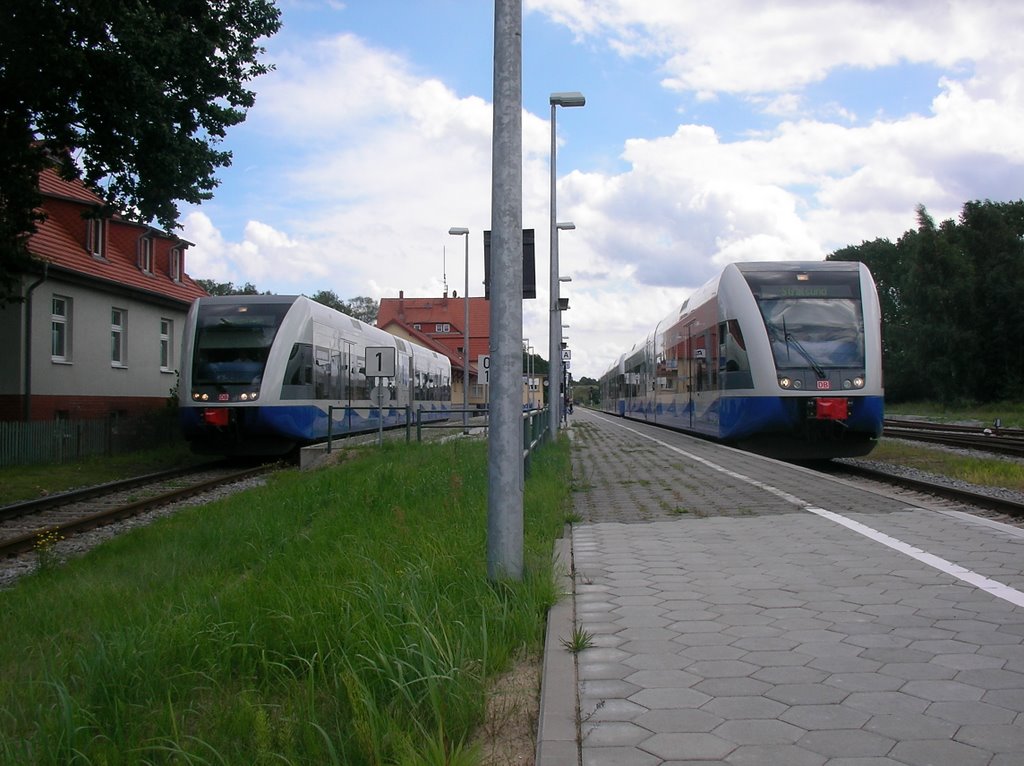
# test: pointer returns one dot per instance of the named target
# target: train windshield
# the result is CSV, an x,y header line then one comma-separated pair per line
x,y
233,342
814,324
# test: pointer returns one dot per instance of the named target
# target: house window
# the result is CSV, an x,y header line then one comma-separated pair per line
x,y
174,268
60,329
146,254
166,339
442,328
417,326
118,352
97,237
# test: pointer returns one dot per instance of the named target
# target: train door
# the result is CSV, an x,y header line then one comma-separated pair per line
x,y
402,376
345,360
691,369
701,377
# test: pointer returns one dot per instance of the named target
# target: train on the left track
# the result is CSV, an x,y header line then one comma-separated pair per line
x,y
780,358
264,374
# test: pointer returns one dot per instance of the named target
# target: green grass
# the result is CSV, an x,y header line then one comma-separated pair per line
x,y
29,482
342,616
1011,413
983,471
991,472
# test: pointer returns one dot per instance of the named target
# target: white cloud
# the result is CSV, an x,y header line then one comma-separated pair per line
x,y
739,46
378,160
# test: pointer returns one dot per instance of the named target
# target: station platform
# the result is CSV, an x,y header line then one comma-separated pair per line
x,y
745,611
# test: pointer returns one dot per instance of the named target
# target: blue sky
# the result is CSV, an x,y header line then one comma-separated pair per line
x,y
713,132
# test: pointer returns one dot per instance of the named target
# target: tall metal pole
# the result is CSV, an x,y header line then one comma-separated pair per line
x,y
463,231
505,460
465,346
568,99
554,332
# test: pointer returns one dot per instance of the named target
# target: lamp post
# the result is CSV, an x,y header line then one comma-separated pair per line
x,y
557,402
528,350
569,99
459,231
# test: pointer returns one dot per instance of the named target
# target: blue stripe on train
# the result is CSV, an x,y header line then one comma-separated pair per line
x,y
732,418
304,422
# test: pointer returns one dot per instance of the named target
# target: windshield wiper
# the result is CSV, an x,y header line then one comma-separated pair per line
x,y
789,340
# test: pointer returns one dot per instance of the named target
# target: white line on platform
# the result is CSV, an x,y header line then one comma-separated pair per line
x,y
997,589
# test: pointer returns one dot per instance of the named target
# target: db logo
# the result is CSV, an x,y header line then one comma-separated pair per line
x,y
824,385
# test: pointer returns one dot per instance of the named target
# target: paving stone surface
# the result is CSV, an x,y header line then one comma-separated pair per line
x,y
732,625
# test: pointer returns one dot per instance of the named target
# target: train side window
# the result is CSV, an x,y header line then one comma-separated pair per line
x,y
298,373
733,360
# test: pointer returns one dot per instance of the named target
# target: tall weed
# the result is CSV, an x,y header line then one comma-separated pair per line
x,y
340,616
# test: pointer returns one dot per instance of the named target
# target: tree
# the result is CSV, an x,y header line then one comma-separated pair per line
x,y
992,237
952,300
132,95
363,308
330,299
229,288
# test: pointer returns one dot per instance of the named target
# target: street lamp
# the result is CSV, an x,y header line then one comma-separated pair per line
x,y
569,99
556,326
528,350
458,231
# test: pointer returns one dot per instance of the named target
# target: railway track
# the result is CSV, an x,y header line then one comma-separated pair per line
x,y
69,513
1004,441
967,497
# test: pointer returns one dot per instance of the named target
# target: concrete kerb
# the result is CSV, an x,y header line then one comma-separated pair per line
x,y
557,724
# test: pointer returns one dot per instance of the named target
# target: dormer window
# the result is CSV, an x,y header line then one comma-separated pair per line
x,y
146,254
174,267
442,328
97,237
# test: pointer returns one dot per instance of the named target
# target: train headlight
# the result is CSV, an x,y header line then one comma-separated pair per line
x,y
204,397
244,397
858,382
785,382
195,396
847,383
254,396
798,383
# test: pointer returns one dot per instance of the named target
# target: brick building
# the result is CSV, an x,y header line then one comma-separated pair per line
x,y
437,323
98,331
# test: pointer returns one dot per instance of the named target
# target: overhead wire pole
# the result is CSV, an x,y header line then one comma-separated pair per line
x,y
505,459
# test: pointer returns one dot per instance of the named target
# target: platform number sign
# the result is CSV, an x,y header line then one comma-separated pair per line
x,y
380,362
483,369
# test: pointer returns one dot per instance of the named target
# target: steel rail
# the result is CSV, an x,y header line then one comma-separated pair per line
x,y
968,497
1002,441
26,507
27,541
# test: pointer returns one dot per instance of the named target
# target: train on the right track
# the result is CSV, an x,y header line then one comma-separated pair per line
x,y
780,358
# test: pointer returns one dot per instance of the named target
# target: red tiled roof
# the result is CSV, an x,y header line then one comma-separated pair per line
x,y
52,185
421,339
428,312
64,248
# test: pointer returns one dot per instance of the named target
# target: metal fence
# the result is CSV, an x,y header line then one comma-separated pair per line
x,y
64,441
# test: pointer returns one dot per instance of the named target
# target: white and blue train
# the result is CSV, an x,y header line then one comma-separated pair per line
x,y
781,358
261,374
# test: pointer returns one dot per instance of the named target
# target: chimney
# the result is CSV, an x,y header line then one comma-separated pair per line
x,y
401,305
